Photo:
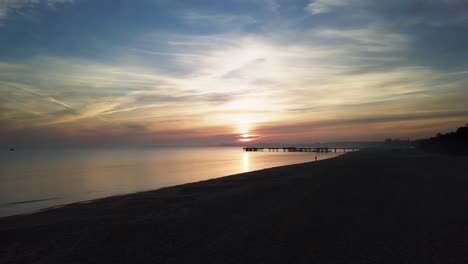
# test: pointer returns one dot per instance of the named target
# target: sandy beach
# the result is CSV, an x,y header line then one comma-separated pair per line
x,y
370,206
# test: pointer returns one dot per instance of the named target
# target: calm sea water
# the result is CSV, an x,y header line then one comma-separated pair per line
x,y
35,179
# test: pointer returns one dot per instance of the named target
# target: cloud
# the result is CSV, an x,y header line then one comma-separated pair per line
x,y
324,6
272,5
218,19
29,90
221,72
319,74
128,109
54,3
372,127
89,111
167,53
10,6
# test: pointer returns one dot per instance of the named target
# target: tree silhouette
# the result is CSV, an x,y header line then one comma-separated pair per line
x,y
453,142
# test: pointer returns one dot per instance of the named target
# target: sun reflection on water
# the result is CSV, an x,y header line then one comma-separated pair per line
x,y
245,162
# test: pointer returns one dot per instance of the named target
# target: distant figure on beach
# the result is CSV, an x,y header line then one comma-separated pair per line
x,y
315,157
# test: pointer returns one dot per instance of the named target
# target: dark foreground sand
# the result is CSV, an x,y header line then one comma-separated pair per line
x,y
364,207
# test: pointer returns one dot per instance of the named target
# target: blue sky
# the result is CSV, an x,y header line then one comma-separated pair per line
x,y
79,72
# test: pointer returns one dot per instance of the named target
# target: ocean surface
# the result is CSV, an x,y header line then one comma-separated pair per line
x,y
34,179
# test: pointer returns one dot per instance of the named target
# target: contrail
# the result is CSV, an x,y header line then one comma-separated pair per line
x,y
50,99
168,53
128,109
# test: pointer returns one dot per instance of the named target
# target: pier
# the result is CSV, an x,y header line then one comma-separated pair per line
x,y
297,149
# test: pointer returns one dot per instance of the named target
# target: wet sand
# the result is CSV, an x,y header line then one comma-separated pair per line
x,y
362,207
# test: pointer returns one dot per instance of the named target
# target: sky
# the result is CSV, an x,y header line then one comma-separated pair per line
x,y
205,73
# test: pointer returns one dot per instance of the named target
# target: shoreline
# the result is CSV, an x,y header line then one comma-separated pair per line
x,y
65,203
368,206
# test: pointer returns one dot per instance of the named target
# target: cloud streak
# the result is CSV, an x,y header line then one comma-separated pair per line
x,y
324,6
289,72
7,7
28,90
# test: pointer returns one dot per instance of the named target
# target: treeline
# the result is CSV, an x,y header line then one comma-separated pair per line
x,y
455,143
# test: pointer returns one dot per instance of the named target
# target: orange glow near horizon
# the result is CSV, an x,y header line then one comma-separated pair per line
x,y
178,85
244,124
247,137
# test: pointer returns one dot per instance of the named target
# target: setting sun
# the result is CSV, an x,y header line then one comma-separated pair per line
x,y
244,131
247,137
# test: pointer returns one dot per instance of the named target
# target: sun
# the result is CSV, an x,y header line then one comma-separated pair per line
x,y
246,137
242,120
244,126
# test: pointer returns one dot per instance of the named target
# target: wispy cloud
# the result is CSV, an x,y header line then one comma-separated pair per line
x,y
324,6
217,19
7,7
89,111
289,71
24,88
128,109
272,4
280,78
167,53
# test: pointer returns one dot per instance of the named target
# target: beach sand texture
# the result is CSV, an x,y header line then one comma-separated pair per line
x,y
363,207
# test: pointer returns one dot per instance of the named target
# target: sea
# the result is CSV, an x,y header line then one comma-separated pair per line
x,y
34,179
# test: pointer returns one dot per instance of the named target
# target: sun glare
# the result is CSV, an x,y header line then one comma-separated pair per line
x,y
247,137
243,123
